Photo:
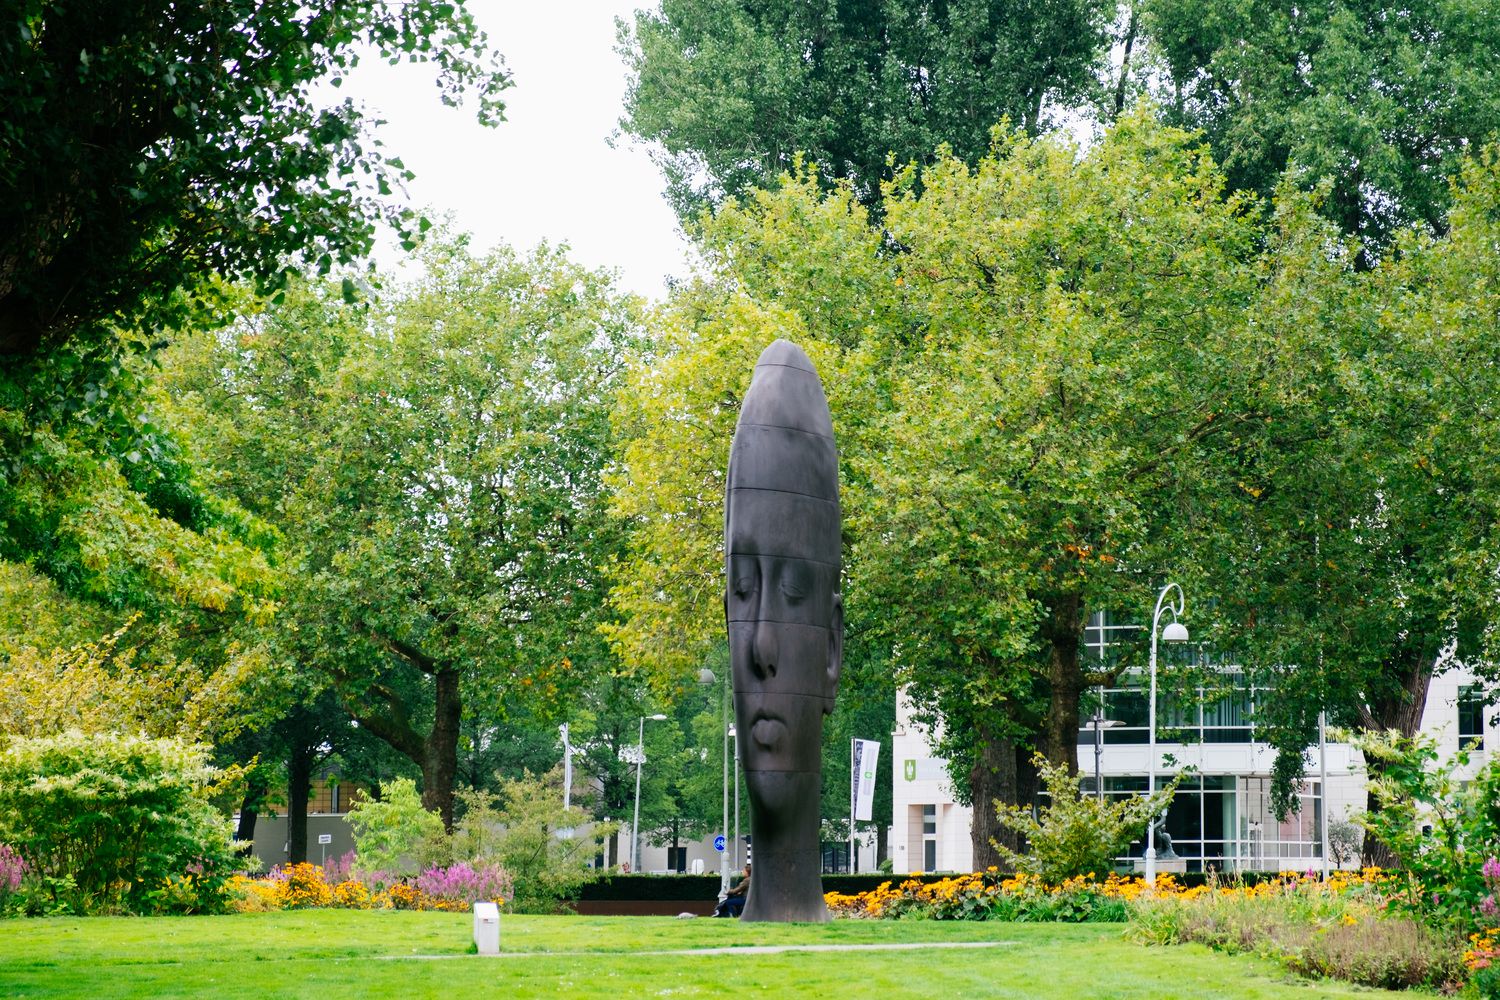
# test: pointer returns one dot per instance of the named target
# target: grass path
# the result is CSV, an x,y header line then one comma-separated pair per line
x,y
332,955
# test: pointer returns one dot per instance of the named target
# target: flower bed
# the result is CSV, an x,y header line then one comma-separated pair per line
x,y
1351,927
303,886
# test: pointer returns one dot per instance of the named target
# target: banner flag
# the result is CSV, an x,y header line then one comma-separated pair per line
x,y
866,759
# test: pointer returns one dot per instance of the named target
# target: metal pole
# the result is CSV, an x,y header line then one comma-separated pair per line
x,y
738,856
635,824
724,826
853,787
1150,762
1177,609
567,768
1323,787
1099,745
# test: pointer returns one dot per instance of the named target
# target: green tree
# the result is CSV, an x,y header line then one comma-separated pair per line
x,y
149,148
729,93
434,464
1380,100
1021,361
1355,553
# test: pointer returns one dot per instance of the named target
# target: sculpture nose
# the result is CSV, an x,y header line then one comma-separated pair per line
x,y
763,650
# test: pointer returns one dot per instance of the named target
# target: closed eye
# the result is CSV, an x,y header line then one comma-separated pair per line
x,y
794,587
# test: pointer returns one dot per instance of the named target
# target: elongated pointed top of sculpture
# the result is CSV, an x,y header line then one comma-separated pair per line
x,y
783,465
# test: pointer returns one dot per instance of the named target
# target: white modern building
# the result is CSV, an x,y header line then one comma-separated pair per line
x,y
1221,816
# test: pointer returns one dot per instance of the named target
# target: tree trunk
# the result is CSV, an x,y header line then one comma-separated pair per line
x,y
255,796
992,779
1120,85
882,843
1401,711
1063,632
298,788
440,748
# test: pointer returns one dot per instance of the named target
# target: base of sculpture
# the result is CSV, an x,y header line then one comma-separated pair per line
x,y
787,888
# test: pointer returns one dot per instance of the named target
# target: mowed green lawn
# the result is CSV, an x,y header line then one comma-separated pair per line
x,y
360,955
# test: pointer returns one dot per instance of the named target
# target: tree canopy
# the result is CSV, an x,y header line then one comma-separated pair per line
x,y
435,462
1379,100
148,148
729,93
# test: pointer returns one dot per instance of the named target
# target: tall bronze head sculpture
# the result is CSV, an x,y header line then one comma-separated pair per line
x,y
786,622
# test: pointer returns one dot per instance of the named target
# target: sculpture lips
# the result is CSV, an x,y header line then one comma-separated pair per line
x,y
768,732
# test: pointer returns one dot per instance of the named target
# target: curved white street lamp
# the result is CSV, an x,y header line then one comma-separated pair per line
x,y
640,760
1174,632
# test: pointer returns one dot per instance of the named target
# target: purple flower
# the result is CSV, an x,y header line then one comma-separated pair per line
x,y
1488,907
1491,871
465,883
338,869
12,867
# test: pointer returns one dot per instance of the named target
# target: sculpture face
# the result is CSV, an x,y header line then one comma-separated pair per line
x,y
783,610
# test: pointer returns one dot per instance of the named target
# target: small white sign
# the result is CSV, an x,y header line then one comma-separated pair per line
x,y
325,838
487,928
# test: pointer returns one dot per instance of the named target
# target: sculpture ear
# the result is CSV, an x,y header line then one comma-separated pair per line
x,y
835,651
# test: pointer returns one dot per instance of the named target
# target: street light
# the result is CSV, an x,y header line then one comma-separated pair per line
x,y
640,760
1174,632
1098,724
706,676
734,735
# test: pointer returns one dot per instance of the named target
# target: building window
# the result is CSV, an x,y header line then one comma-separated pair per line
x,y
1470,718
929,838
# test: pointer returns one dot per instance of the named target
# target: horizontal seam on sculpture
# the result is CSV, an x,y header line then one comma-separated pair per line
x,y
789,694
783,364
772,489
794,430
775,621
787,555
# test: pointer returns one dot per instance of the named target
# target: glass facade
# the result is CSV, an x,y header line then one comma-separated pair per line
x,y
1222,822
1471,718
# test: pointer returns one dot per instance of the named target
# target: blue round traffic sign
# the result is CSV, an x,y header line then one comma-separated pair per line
x,y
719,842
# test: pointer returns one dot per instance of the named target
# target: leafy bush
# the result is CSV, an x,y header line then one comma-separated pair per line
x,y
1344,839
394,837
1393,953
1338,929
521,829
1446,866
1077,833
103,821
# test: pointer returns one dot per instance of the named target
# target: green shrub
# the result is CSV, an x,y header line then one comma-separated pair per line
x,y
1445,864
1394,953
107,822
522,830
1077,833
394,837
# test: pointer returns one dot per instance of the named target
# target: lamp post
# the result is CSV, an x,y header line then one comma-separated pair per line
x,y
735,736
1098,724
567,767
640,761
1174,632
706,676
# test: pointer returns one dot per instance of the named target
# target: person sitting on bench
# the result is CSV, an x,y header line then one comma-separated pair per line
x,y
734,900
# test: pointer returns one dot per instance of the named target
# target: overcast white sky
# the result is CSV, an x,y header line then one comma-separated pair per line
x,y
547,173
